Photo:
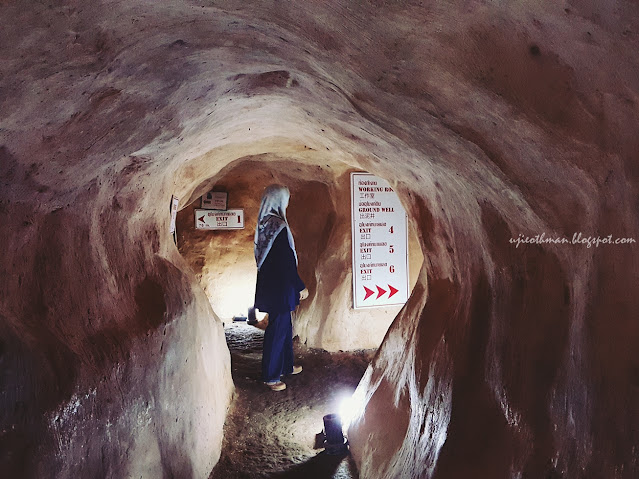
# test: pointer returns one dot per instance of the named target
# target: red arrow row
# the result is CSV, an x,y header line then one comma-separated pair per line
x,y
380,291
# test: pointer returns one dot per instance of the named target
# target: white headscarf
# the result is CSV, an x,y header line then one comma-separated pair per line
x,y
271,220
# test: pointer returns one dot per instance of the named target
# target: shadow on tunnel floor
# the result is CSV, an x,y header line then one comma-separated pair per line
x,y
322,466
274,434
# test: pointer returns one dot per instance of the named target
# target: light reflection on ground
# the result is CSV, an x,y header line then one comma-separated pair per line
x,y
274,434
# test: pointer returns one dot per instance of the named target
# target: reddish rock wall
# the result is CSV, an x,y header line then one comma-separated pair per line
x,y
495,120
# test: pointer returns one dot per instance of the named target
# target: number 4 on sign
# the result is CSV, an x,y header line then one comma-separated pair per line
x,y
390,230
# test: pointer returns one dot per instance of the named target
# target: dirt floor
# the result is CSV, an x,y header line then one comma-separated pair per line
x,y
278,434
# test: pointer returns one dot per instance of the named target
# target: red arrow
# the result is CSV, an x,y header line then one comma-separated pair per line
x,y
380,292
392,291
368,292
201,218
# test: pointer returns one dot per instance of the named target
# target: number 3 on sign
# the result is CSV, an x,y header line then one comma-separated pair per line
x,y
392,269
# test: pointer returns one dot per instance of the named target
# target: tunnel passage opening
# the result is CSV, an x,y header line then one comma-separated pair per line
x,y
223,260
319,214
335,343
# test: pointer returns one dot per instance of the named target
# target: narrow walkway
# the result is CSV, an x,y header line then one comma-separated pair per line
x,y
274,434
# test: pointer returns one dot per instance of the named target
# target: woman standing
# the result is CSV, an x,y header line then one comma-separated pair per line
x,y
279,287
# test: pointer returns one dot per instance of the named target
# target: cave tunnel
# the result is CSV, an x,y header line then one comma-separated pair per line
x,y
320,218
508,131
223,262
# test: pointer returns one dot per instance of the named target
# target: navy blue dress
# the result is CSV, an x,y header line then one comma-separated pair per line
x,y
277,293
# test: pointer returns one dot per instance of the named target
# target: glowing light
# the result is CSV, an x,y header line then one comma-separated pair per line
x,y
349,409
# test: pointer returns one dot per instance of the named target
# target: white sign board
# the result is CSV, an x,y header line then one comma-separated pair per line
x,y
174,209
380,243
219,220
215,200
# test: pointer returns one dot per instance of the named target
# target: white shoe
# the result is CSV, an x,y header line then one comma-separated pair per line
x,y
276,385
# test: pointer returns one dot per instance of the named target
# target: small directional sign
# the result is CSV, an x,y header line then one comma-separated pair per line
x,y
174,209
215,200
219,220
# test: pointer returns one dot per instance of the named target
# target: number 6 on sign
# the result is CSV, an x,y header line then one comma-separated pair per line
x,y
392,269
